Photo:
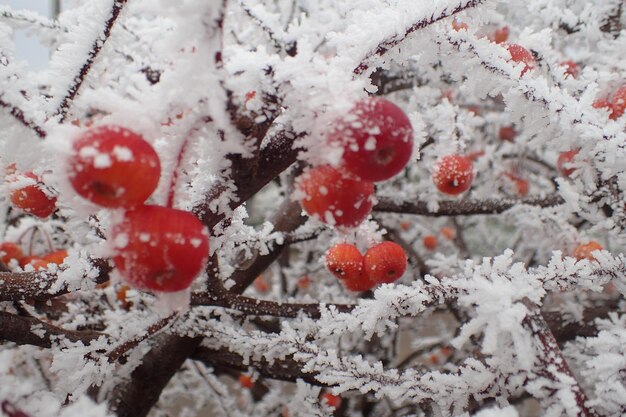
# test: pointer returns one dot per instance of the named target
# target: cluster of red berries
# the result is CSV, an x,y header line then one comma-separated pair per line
x,y
377,140
382,263
10,251
156,248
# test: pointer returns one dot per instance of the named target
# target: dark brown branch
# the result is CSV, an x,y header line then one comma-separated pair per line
x,y
37,285
387,44
553,363
97,46
124,348
287,369
463,207
31,331
137,396
18,114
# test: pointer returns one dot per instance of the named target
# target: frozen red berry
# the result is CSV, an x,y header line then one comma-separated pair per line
x,y
113,167
335,197
159,248
385,262
30,194
453,174
376,137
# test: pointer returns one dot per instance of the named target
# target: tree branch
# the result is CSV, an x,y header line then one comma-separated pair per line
x,y
387,44
18,114
97,46
462,207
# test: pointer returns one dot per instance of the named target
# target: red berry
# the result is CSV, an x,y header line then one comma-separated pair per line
x,y
36,262
584,251
521,185
385,262
377,139
56,257
304,282
32,195
159,248
346,263
430,242
113,167
507,133
260,284
456,25
500,35
335,197
10,250
246,381
331,400
571,68
521,54
618,103
564,160
453,174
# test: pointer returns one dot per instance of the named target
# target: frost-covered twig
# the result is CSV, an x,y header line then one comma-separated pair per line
x,y
97,46
31,331
390,43
462,207
28,19
44,285
555,368
19,115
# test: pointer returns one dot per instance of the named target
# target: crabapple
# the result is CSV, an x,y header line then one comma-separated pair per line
x,y
566,158
457,25
335,197
430,242
331,400
584,251
385,262
346,263
521,54
500,35
113,167
10,251
447,232
159,248
453,174
521,185
507,133
618,103
246,381
56,257
376,137
33,197
35,261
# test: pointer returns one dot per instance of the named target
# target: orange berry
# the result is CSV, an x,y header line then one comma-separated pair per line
x,y
36,262
331,400
346,263
246,381
500,35
56,257
584,251
10,250
261,285
457,25
405,226
304,282
521,185
385,262
430,242
447,232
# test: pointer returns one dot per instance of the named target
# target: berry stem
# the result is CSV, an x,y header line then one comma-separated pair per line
x,y
174,179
